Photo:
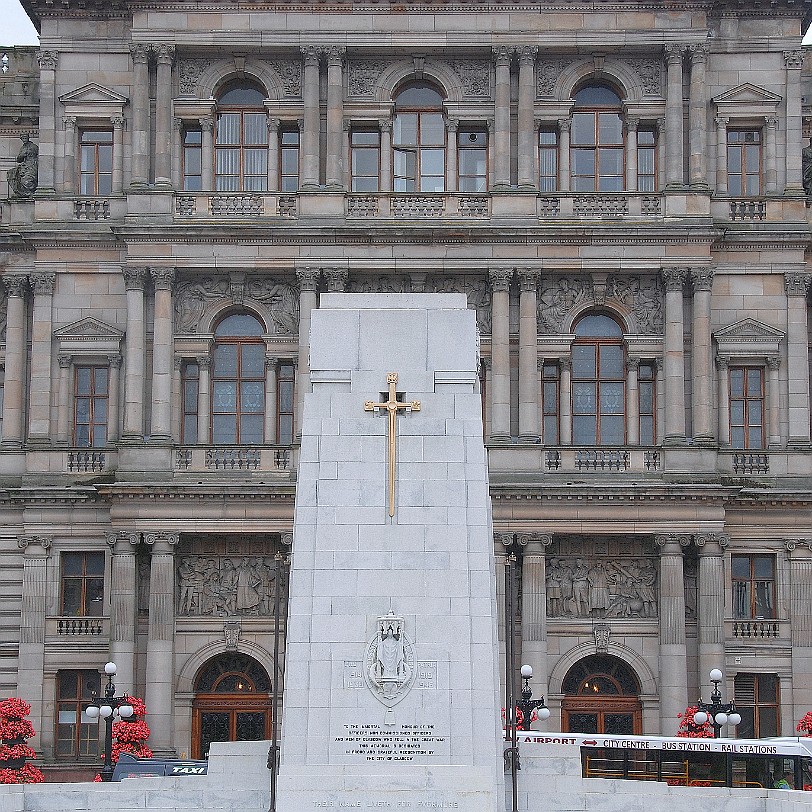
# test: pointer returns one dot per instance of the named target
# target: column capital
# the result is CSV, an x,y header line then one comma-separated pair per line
x,y
134,278
123,541
722,362
42,284
527,54
161,543
119,122
336,279
65,361
799,546
773,363
797,284
632,364
674,278
16,285
273,124
528,279
505,539
139,51
452,125
29,545
335,55
698,52
565,363
162,278
271,362
501,56
487,362
500,278
310,54
164,54
712,543
206,123
721,122
702,278
286,538
631,124
115,360
69,123
564,124
386,125
534,543
674,53
308,278
672,543
47,60
203,361
771,122
794,59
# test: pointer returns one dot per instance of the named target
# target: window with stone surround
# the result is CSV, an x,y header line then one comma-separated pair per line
x,y
289,141
472,159
753,586
365,160
596,140
647,395
419,139
744,162
285,405
746,407
646,159
77,736
192,159
241,139
82,584
190,375
757,698
96,162
548,159
90,406
550,399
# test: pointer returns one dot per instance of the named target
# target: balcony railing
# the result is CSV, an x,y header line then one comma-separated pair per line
x,y
748,209
748,463
234,459
599,206
418,206
71,627
757,629
236,205
85,462
602,460
91,208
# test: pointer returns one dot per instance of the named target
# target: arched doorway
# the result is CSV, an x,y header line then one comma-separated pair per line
x,y
232,702
601,695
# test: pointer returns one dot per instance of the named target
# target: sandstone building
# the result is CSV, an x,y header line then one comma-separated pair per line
x,y
619,190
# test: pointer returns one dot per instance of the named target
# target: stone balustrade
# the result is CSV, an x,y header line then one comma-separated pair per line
x,y
239,459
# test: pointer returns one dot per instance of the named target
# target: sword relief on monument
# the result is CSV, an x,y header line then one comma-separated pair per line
x,y
391,406
389,664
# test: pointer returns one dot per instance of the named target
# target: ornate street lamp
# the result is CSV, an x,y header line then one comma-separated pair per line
x,y
716,712
108,708
527,704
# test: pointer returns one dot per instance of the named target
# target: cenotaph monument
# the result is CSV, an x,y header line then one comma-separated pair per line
x,y
391,684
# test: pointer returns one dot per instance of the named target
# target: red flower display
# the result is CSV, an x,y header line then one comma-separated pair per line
x,y
805,725
534,717
15,730
689,729
130,736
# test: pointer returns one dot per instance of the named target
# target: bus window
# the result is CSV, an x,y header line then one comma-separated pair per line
x,y
706,770
750,772
806,774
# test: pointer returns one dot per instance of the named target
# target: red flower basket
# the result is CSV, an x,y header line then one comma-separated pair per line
x,y
15,730
805,725
688,727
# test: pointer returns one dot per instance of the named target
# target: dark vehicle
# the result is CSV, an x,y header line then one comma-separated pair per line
x,y
130,767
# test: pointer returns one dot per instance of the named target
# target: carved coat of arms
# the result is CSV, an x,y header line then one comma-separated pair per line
x,y
389,663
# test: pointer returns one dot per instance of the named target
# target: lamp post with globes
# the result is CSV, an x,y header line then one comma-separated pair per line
x,y
716,712
108,707
527,704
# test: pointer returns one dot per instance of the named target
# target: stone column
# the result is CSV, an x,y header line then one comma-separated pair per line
x,y
310,128
711,614
177,154
799,552
336,279
452,170
207,153
673,663
15,369
527,144
134,355
273,154
177,398
502,118
674,279
770,156
117,181
46,172
500,353
721,155
534,605
270,399
160,640
335,118
632,401
565,402
673,117
113,390
702,358
386,155
308,279
564,126
162,352
487,366
204,436
39,398
773,403
123,583
31,652
64,399
631,124
529,428
69,169
140,118
724,401
794,61
164,56
797,287
501,543
659,364
697,116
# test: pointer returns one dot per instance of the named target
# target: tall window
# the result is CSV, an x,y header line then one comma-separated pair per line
x,y
746,407
418,140
96,162
90,407
192,160
597,141
191,388
238,381
241,139
646,160
598,382
757,701
744,162
285,403
548,160
365,160
472,160
77,736
753,586
289,160
647,392
550,397
82,584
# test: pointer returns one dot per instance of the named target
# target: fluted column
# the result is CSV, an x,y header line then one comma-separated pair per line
x,y
123,581
134,349
797,287
273,154
631,124
117,180
500,353
773,403
46,171
534,605
310,128
140,118
487,374
270,399
673,116
386,155
529,427
113,390
697,113
335,117
527,144
722,365
564,127
659,365
770,156
204,400
632,401
501,543
721,155
702,357
31,652
160,639
162,352
673,662
565,402
799,553
69,168
164,56
711,615
502,118
794,61
452,167
63,400
674,279
39,398
177,398
177,153
15,368
308,279
207,153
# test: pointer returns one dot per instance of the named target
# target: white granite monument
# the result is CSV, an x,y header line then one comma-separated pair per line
x,y
391,686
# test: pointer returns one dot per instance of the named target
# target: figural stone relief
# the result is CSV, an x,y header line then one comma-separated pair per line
x,y
476,290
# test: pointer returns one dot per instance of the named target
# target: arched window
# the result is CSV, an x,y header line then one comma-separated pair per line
x,y
419,139
241,138
238,381
597,154
598,382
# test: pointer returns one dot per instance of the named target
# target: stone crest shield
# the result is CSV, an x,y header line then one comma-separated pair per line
x,y
389,662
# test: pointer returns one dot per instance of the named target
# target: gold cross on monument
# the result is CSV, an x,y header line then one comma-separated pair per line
x,y
392,405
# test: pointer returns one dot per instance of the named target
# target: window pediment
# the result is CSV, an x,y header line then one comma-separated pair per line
x,y
88,336
748,338
93,101
747,100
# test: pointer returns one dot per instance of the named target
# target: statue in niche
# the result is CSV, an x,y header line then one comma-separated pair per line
x,y
806,168
23,176
390,653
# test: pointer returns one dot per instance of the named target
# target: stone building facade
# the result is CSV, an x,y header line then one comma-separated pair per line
x,y
620,192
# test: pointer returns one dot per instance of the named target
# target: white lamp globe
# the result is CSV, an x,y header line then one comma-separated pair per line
x,y
721,718
716,675
527,672
125,711
543,714
734,719
92,712
105,711
700,717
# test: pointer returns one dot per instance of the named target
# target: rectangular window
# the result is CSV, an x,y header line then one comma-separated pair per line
x,y
472,160
757,698
191,385
746,407
550,397
285,405
646,160
647,392
90,407
744,163
548,160
289,161
192,160
77,736
82,584
365,160
753,586
96,162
